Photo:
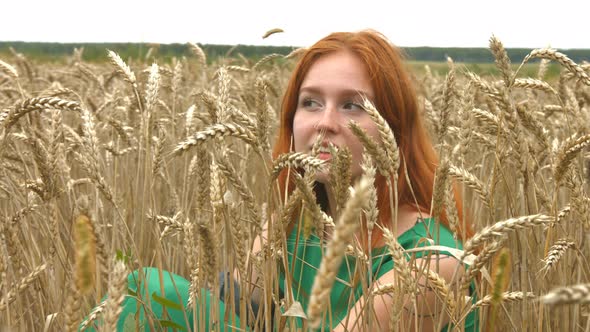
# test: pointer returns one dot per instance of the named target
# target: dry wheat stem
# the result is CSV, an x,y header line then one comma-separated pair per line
x,y
347,225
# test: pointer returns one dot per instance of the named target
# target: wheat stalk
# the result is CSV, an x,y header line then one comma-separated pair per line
x,y
347,225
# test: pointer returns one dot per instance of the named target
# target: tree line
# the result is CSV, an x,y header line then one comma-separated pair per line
x,y
96,52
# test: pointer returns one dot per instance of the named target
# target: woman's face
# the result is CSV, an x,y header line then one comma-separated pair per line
x,y
329,97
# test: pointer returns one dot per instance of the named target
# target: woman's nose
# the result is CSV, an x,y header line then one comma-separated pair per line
x,y
328,120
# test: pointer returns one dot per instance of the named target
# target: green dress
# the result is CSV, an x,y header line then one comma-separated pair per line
x,y
308,255
342,298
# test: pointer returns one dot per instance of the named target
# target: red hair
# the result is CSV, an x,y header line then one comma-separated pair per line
x,y
396,100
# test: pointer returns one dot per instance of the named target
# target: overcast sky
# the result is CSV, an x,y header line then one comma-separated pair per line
x,y
529,24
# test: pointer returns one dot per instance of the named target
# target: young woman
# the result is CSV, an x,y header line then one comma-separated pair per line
x,y
325,93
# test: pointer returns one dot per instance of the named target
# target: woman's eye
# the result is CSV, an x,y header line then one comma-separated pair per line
x,y
310,103
353,106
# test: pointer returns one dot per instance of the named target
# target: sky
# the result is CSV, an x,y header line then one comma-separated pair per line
x,y
529,24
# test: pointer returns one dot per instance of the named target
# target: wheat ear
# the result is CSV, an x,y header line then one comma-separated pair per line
x,y
347,225
216,130
386,135
566,153
117,291
8,69
502,227
27,281
576,294
501,58
506,297
122,67
548,53
85,253
555,253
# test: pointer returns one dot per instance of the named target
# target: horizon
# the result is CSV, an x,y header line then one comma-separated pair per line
x,y
261,45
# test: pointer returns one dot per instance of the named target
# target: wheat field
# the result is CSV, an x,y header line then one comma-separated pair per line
x,y
106,168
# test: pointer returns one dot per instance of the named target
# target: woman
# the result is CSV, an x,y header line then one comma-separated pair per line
x,y
326,91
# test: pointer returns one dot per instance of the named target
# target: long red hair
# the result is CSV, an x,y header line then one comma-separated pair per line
x,y
396,101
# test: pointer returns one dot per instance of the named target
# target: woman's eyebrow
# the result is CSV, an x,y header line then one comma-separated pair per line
x,y
343,92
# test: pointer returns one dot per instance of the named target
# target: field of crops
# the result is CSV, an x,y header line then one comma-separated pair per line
x,y
108,168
